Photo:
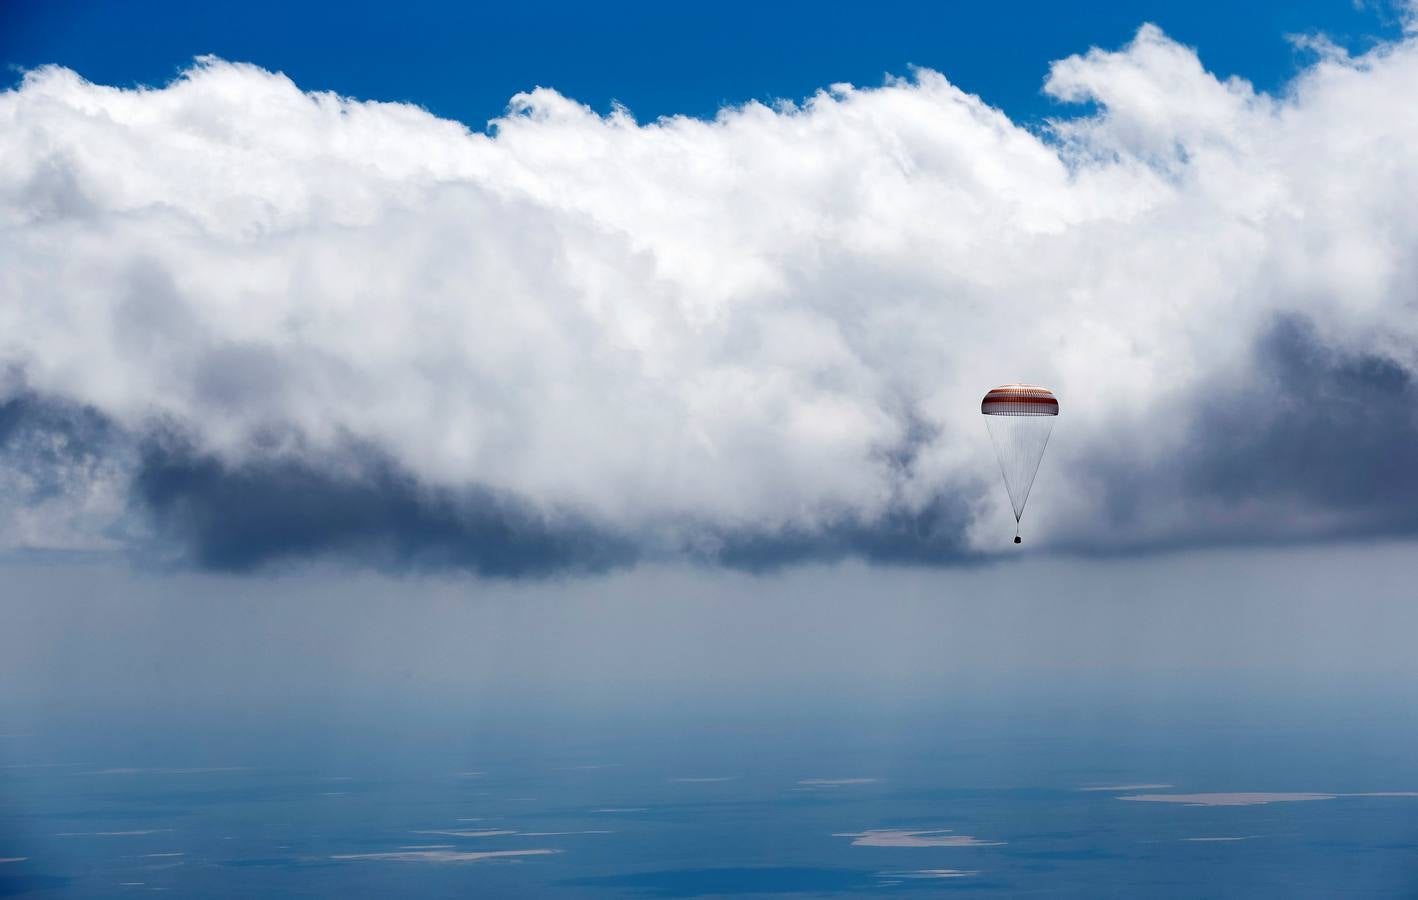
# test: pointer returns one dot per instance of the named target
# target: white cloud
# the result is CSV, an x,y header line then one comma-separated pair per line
x,y
835,782
896,837
112,833
932,873
442,856
774,321
1254,798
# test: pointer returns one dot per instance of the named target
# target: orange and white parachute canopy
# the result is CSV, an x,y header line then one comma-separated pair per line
x,y
1020,400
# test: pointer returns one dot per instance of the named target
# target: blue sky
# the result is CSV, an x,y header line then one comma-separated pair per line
x,y
465,60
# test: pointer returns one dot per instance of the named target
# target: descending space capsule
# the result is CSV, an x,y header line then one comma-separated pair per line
x,y
1020,418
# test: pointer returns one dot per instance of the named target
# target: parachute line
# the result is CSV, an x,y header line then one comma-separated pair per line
x,y
1019,442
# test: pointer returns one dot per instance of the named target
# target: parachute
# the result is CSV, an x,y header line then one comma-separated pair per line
x,y
1020,418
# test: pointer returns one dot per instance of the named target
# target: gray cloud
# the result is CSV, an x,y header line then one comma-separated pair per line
x,y
361,507
1332,432
1314,443
934,535
62,474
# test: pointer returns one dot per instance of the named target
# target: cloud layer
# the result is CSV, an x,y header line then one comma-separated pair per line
x,y
243,323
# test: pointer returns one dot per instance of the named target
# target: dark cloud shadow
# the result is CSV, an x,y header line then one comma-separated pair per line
x,y
934,535
1332,431
360,508
1312,444
47,440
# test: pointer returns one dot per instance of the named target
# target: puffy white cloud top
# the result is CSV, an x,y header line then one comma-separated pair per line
x,y
771,327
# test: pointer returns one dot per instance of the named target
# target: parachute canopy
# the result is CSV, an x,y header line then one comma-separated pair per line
x,y
1020,418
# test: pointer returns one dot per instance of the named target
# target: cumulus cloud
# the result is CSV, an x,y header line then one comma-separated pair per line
x,y
247,323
